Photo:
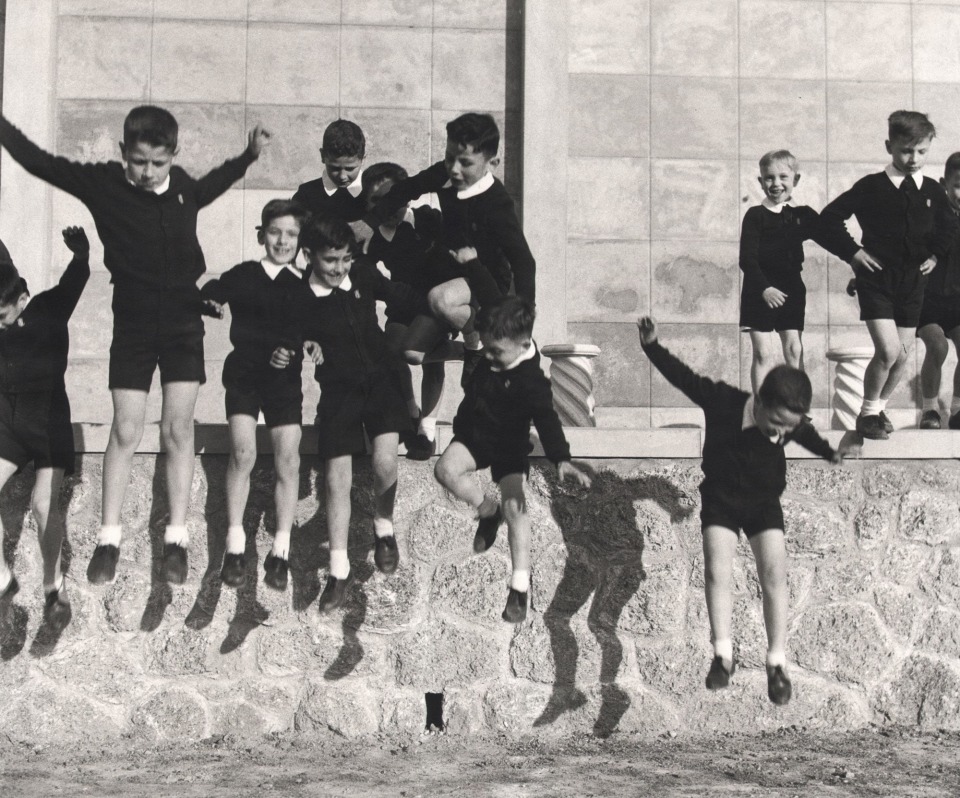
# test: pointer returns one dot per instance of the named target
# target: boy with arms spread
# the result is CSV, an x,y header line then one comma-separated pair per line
x,y
337,191
491,430
34,410
260,295
145,210
908,228
744,474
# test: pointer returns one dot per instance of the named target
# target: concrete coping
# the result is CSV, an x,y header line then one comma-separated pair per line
x,y
843,354
570,350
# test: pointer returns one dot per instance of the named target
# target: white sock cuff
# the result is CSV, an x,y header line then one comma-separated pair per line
x,y
520,580
383,527
723,649
339,564
883,403
54,588
177,535
930,404
871,407
428,427
281,544
236,539
775,658
109,536
5,580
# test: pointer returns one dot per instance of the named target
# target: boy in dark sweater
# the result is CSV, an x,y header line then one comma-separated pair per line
x,y
260,295
907,228
491,430
479,221
359,389
773,298
337,191
940,316
145,210
744,473
34,410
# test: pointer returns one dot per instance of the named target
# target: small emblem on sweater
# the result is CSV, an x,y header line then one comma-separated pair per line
x,y
356,293
180,197
20,322
506,383
928,203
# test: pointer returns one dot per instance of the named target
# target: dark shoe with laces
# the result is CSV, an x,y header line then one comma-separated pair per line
x,y
871,427
56,611
334,593
12,588
887,423
779,688
234,569
174,563
103,564
385,554
954,421
275,572
718,677
471,359
516,609
930,420
421,448
486,534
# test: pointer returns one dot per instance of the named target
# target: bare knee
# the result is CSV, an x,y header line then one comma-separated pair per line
x,y
514,509
793,352
937,350
772,575
177,434
287,465
126,433
243,457
413,357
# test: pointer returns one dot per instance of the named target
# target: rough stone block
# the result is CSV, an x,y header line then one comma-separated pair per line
x,y
621,374
852,31
40,712
175,714
675,667
924,693
814,530
928,517
88,69
559,649
463,712
624,212
474,589
787,114
609,115
441,654
942,633
651,602
697,37
437,531
872,525
821,482
240,719
758,60
385,67
563,579
391,602
886,481
607,281
609,36
198,61
510,710
336,653
693,117
843,579
347,710
275,64
902,609
405,713
694,281
456,54
686,203
940,574
857,120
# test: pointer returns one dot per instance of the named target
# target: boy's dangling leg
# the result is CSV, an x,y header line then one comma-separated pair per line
x,y
719,548
455,471
286,458
764,358
338,478
954,421
384,461
936,348
880,377
9,586
46,510
518,534
769,551
243,456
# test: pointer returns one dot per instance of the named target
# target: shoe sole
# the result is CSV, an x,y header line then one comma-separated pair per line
x,y
99,573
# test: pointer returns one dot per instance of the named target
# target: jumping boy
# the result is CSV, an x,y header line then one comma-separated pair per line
x,y
479,217
260,295
773,298
145,210
34,410
744,474
491,430
337,191
359,390
940,316
908,228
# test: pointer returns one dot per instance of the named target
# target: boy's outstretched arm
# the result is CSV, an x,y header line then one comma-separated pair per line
x,y
75,276
807,436
70,176
218,180
429,180
567,469
696,388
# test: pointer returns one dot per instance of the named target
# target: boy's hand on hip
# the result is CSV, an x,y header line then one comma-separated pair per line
x,y
928,265
647,328
774,297
864,260
312,350
566,469
281,357
257,139
76,240
464,254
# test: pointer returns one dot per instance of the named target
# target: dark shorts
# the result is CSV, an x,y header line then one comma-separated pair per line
x,y
405,311
499,468
756,315
891,294
942,311
751,517
35,427
374,406
280,401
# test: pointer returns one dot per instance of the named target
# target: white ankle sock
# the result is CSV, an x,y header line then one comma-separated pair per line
x,y
930,404
883,404
55,587
109,536
177,535
383,527
428,427
236,539
955,405
339,563
723,649
871,407
775,658
281,544
5,580
520,580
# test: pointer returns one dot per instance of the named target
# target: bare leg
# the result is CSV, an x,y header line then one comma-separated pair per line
x,y
243,456
770,553
792,342
765,357
7,470
719,548
906,336
46,511
450,301
887,348
286,463
455,471
937,348
518,527
384,459
176,433
129,408
338,479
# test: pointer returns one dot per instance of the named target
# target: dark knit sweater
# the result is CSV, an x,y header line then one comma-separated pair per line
x,y
341,204
771,244
497,408
33,351
149,240
260,318
738,464
900,230
944,280
487,221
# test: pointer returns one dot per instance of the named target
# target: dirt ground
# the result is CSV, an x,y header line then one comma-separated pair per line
x,y
788,764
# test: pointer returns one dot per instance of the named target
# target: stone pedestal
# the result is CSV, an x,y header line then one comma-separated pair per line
x,y
571,373
848,384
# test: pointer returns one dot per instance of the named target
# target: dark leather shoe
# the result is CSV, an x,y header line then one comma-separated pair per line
x,y
779,688
12,588
103,565
174,563
886,422
871,427
718,677
516,609
275,572
421,448
385,554
56,611
930,420
234,570
954,421
334,593
486,534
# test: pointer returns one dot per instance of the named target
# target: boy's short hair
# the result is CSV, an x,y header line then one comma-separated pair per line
x,y
786,387
376,173
780,156
952,165
12,285
282,207
909,126
151,125
327,232
509,317
343,139
479,131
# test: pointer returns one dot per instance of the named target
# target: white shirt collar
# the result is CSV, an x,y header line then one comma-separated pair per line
x,y
389,232
528,355
322,290
354,188
749,420
159,189
477,188
775,207
896,176
272,269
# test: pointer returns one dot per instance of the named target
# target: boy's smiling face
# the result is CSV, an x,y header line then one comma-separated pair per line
x,y
146,165
279,239
777,180
465,166
341,169
329,267
908,155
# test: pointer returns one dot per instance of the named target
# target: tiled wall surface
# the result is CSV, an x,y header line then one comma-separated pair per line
x,y
672,102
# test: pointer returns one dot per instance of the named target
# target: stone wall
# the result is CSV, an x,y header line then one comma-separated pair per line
x,y
617,637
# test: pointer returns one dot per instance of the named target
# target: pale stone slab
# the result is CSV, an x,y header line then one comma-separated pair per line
x,y
937,100
694,281
293,156
609,36
609,115
385,67
394,134
621,418
200,9
621,374
758,18
315,11
387,12
709,349
693,117
91,325
86,68
219,230
783,114
477,14
867,41
456,56
198,60
105,8
936,57
210,133
857,117
842,309
89,131
607,280
293,64
696,37
689,201
624,185
67,211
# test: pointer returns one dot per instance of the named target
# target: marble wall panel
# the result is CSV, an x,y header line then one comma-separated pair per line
x,y
692,117
90,130
477,14
200,9
868,41
210,408
455,74
783,114
907,392
309,11
608,198
609,115
762,22
609,36
695,281
936,31
91,325
414,13
385,67
857,117
695,37
940,101
694,199
87,68
607,281
709,349
622,371
86,383
106,8
293,64
293,157
219,231
816,267
398,135
209,134
66,211
841,307
197,61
